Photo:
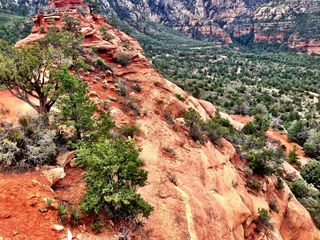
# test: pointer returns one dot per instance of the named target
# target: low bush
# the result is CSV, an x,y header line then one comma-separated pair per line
x,y
75,216
311,173
113,174
102,65
264,218
28,145
124,59
273,205
312,144
293,158
264,162
62,212
297,132
308,196
129,130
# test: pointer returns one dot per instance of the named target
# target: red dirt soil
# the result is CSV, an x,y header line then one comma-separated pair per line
x,y
242,119
11,107
21,203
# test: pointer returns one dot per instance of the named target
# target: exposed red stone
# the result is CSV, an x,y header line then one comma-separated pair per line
x,y
67,4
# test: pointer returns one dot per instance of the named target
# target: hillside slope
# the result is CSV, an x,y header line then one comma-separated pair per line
x,y
293,23
199,192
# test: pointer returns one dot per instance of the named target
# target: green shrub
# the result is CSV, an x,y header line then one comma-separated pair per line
x,y
293,158
297,132
105,34
280,183
309,197
264,218
102,65
194,121
215,131
124,59
129,130
97,226
274,206
137,87
180,97
249,128
263,162
62,212
312,145
254,185
27,145
75,216
113,174
311,173
133,107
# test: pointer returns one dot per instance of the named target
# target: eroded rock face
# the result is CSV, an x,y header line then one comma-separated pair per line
x,y
198,191
67,4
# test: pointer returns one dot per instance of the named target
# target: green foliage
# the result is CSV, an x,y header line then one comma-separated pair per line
x,y
97,226
71,24
258,126
105,34
94,5
13,27
62,212
180,97
24,71
76,108
192,118
312,145
264,218
309,197
123,59
27,145
280,183
293,158
194,121
264,162
254,185
102,65
75,216
297,132
311,173
129,130
113,173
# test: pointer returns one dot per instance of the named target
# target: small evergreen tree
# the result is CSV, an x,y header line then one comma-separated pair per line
x,y
113,173
293,157
76,108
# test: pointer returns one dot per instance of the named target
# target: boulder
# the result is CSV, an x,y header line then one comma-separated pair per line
x,y
53,175
57,227
65,158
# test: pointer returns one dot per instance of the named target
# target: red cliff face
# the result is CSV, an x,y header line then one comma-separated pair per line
x,y
67,4
198,191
